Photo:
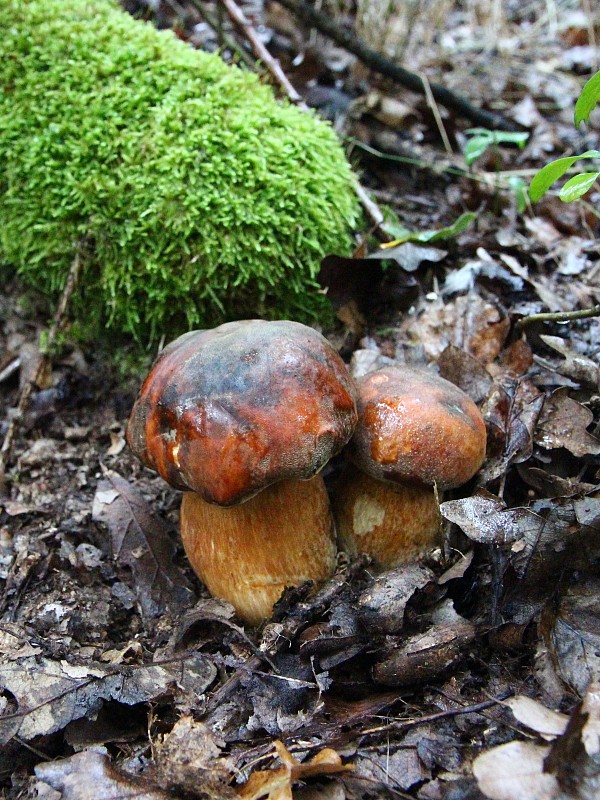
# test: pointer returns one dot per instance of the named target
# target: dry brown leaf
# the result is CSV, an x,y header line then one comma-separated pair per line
x,y
515,771
276,784
486,520
563,422
142,542
89,775
189,760
536,716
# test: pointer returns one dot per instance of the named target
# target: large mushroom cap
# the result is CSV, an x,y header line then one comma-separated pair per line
x,y
417,427
229,411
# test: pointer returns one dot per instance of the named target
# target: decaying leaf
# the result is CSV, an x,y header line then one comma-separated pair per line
x,y
400,769
575,636
466,372
563,423
485,519
515,771
536,716
190,760
141,542
381,605
276,784
576,366
468,322
48,694
510,412
89,775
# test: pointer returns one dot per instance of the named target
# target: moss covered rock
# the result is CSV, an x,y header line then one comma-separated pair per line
x,y
203,197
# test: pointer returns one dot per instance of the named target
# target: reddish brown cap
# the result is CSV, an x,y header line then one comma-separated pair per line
x,y
229,411
416,427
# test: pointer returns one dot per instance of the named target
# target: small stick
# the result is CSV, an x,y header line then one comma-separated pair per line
x,y
436,113
559,316
380,63
370,207
25,395
273,66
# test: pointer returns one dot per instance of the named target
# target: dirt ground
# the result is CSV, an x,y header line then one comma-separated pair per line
x,y
471,674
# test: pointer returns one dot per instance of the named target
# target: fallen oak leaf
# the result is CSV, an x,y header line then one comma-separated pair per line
x,y
276,784
89,775
515,771
563,423
485,519
141,541
47,695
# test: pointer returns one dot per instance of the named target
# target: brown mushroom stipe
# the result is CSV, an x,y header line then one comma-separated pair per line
x,y
415,430
391,522
227,413
230,556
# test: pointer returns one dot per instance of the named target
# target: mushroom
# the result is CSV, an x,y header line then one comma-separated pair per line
x,y
415,431
242,418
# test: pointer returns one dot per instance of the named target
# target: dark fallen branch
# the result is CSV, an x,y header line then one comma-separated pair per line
x,y
383,65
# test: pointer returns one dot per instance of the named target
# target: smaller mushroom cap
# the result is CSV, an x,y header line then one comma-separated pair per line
x,y
416,427
230,411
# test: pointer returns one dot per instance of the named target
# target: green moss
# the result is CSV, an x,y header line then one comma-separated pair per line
x,y
204,198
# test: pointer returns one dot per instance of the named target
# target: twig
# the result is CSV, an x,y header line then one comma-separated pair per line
x,y
273,66
399,725
57,323
384,66
436,113
559,316
224,39
370,207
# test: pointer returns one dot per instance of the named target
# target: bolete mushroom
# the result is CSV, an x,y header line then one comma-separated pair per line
x,y
242,418
415,431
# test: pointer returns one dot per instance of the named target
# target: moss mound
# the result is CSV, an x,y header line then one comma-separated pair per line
x,y
203,197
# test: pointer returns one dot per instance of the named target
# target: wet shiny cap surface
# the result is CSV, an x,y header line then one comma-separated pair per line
x,y
229,411
417,427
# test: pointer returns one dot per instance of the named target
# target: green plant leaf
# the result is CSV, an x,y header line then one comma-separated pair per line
x,y
476,147
589,97
459,225
483,138
577,186
544,179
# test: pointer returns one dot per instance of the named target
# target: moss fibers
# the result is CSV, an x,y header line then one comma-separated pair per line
x,y
203,197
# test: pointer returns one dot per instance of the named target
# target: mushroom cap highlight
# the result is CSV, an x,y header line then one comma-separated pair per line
x,y
229,411
415,427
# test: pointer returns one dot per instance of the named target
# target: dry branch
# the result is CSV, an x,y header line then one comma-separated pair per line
x,y
411,80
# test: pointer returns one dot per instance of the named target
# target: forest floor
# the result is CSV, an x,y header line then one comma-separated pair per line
x,y
122,678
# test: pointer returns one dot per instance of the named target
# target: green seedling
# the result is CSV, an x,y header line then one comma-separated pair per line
x,y
581,183
481,139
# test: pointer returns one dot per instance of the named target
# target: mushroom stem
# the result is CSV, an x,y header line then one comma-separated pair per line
x,y
393,523
248,554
